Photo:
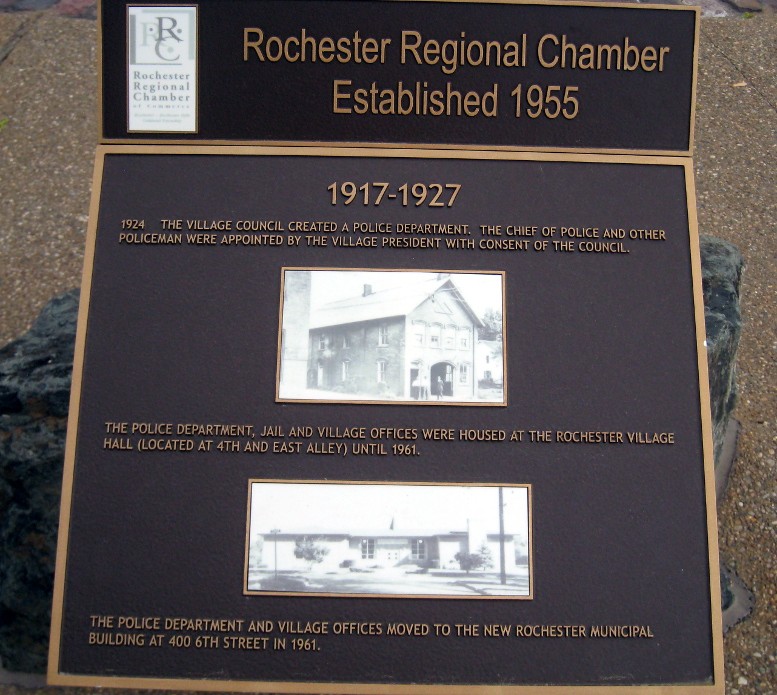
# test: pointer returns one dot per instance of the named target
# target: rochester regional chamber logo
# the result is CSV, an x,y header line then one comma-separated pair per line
x,y
162,68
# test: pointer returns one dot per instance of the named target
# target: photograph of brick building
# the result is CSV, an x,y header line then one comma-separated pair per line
x,y
387,336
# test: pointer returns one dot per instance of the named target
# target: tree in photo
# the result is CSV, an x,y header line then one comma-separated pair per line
x,y
492,325
255,551
468,561
310,551
486,558
481,560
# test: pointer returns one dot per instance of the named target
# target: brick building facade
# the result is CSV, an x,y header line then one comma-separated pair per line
x,y
411,342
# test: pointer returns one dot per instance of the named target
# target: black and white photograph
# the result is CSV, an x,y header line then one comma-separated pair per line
x,y
386,539
430,338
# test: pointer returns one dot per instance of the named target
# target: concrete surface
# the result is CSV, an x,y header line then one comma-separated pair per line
x,y
736,161
48,133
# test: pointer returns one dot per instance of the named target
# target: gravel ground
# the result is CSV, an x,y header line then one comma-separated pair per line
x,y
736,160
48,133
47,145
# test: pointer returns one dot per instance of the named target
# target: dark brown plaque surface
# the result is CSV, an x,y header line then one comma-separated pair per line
x,y
602,77
307,381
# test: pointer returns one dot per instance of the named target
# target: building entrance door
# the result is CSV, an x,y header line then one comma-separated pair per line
x,y
442,379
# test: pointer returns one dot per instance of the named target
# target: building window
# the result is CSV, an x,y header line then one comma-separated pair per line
x,y
464,340
383,335
346,370
368,549
346,342
419,332
434,335
418,549
322,342
487,374
464,373
450,336
381,370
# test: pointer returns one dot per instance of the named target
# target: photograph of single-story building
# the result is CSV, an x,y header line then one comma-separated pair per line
x,y
388,539
388,336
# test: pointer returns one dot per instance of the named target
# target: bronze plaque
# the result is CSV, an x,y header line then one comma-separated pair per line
x,y
597,77
379,421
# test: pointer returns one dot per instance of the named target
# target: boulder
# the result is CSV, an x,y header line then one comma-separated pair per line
x,y
721,271
35,373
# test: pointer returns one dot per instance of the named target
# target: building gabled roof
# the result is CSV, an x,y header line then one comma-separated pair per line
x,y
382,304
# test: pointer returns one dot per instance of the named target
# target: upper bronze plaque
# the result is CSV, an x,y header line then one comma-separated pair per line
x,y
590,78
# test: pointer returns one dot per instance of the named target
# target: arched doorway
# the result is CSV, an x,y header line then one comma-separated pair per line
x,y
442,373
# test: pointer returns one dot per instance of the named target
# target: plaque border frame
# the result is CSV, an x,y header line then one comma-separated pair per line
x,y
56,677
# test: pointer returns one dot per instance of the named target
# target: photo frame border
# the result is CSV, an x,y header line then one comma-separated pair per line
x,y
504,597
399,401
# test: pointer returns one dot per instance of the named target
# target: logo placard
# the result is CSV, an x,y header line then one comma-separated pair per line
x,y
162,69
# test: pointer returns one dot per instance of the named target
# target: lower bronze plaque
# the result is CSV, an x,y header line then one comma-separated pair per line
x,y
389,421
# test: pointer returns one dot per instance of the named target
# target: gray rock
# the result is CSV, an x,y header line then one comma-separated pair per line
x,y
35,373
736,599
721,270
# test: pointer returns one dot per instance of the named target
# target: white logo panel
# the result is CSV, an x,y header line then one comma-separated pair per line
x,y
162,69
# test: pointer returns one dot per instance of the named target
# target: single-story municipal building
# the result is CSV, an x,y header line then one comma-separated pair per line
x,y
384,548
